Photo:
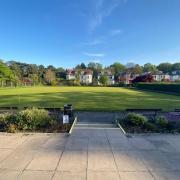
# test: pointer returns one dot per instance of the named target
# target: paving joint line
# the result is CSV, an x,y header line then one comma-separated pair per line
x,y
60,158
113,155
87,159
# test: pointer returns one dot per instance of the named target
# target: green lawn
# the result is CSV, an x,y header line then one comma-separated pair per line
x,y
87,98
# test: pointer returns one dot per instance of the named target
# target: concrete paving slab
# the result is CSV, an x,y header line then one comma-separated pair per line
x,y
70,175
73,160
77,144
101,160
163,145
4,153
120,143
174,160
9,174
141,143
55,142
174,141
79,133
166,175
36,175
154,160
136,176
18,160
100,175
114,133
45,160
8,141
129,161
34,141
98,143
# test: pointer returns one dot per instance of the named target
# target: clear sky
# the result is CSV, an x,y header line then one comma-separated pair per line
x,y
68,32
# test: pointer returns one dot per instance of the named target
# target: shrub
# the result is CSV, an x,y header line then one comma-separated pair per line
x,y
32,119
165,87
4,120
150,126
12,128
134,119
54,83
162,122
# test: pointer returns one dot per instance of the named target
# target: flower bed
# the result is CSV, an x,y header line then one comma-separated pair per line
x,y
31,120
137,123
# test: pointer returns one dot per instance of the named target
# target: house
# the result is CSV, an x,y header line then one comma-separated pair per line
x,y
86,77
110,76
160,76
143,78
126,78
175,76
70,74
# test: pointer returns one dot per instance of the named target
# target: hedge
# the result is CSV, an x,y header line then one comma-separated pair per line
x,y
164,87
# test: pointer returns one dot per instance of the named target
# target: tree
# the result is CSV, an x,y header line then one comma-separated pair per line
x,y
130,65
95,66
81,66
60,73
137,69
103,80
118,68
49,76
165,67
41,72
176,67
148,67
6,74
34,78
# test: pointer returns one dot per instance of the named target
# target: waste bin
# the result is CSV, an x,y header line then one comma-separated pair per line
x,y
68,110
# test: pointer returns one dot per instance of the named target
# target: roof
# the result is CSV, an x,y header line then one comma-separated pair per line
x,y
71,72
87,72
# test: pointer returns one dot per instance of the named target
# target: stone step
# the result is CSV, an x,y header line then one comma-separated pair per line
x,y
94,125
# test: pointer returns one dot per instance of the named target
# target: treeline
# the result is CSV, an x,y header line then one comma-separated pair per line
x,y
13,73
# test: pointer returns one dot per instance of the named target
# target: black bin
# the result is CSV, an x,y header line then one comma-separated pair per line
x,y
68,110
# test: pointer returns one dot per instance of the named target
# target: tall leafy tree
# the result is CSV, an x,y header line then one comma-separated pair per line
x,y
118,68
165,67
103,80
148,67
176,67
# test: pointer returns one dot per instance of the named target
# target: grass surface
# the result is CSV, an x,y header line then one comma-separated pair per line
x,y
87,98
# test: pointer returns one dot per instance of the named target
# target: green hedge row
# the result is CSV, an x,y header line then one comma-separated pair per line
x,y
165,87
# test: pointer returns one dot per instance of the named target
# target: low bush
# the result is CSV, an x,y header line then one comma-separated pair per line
x,y
134,119
161,121
150,126
136,123
5,120
32,119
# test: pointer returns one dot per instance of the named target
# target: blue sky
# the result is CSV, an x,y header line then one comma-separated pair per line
x,y
68,32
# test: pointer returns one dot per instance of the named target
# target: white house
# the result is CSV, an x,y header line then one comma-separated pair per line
x,y
110,76
160,76
70,74
86,77
175,76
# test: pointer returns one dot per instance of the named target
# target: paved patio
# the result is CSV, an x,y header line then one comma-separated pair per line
x,y
103,154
